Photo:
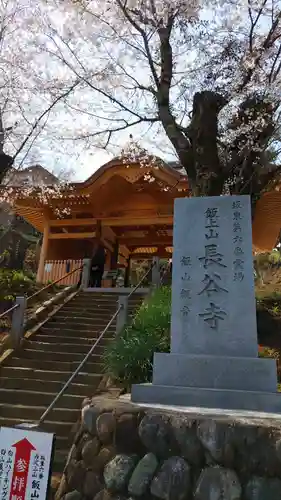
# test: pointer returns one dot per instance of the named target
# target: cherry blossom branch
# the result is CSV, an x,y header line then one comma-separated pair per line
x,y
89,83
42,116
145,41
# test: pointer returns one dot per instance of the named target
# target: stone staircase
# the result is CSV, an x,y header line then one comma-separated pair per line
x,y
32,376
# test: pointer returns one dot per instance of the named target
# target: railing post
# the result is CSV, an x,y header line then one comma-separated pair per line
x,y
122,316
18,322
156,276
86,274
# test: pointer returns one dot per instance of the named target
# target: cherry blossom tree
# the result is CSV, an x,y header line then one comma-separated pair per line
x,y
202,78
27,97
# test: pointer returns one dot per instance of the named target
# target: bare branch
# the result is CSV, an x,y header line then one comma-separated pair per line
x,y
86,80
42,116
255,21
145,41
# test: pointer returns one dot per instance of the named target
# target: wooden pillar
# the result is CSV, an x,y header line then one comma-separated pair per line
x,y
98,231
107,283
114,256
43,253
127,273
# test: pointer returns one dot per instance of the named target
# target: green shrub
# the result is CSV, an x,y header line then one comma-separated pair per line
x,y
130,357
13,282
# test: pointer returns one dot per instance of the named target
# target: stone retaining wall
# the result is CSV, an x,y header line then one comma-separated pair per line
x,y
122,452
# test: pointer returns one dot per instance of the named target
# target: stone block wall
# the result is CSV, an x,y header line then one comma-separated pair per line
x,y
123,452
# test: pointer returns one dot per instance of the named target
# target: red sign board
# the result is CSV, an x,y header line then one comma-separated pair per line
x,y
25,460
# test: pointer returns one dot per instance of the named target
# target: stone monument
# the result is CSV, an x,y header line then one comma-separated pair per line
x,y
214,353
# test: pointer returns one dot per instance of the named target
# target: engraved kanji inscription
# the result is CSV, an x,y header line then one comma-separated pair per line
x,y
212,222
212,315
237,227
185,294
237,216
239,276
238,265
185,310
238,251
212,256
186,277
237,239
211,213
185,260
211,234
236,205
212,285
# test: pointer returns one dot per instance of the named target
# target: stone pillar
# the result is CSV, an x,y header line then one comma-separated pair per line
x,y
43,253
122,317
156,272
86,273
18,322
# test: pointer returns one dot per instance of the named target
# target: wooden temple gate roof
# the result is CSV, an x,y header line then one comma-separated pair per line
x,y
135,204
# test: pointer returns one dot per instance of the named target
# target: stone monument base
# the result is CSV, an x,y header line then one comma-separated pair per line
x,y
234,383
268,402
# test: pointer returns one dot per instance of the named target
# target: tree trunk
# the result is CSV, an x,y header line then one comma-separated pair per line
x,y
203,134
5,164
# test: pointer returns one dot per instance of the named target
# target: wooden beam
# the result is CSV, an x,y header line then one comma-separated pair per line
x,y
107,244
73,222
122,260
148,256
108,233
138,221
71,236
123,250
147,242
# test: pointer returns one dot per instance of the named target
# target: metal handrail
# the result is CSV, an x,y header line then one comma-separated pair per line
x,y
81,365
75,373
54,283
15,306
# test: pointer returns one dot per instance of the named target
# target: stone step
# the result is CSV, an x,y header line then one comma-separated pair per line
x,y
62,443
90,379
50,386
89,314
80,327
113,297
55,339
91,366
93,304
75,332
82,324
60,460
98,302
84,312
52,355
95,301
63,429
39,398
30,380
63,346
32,413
